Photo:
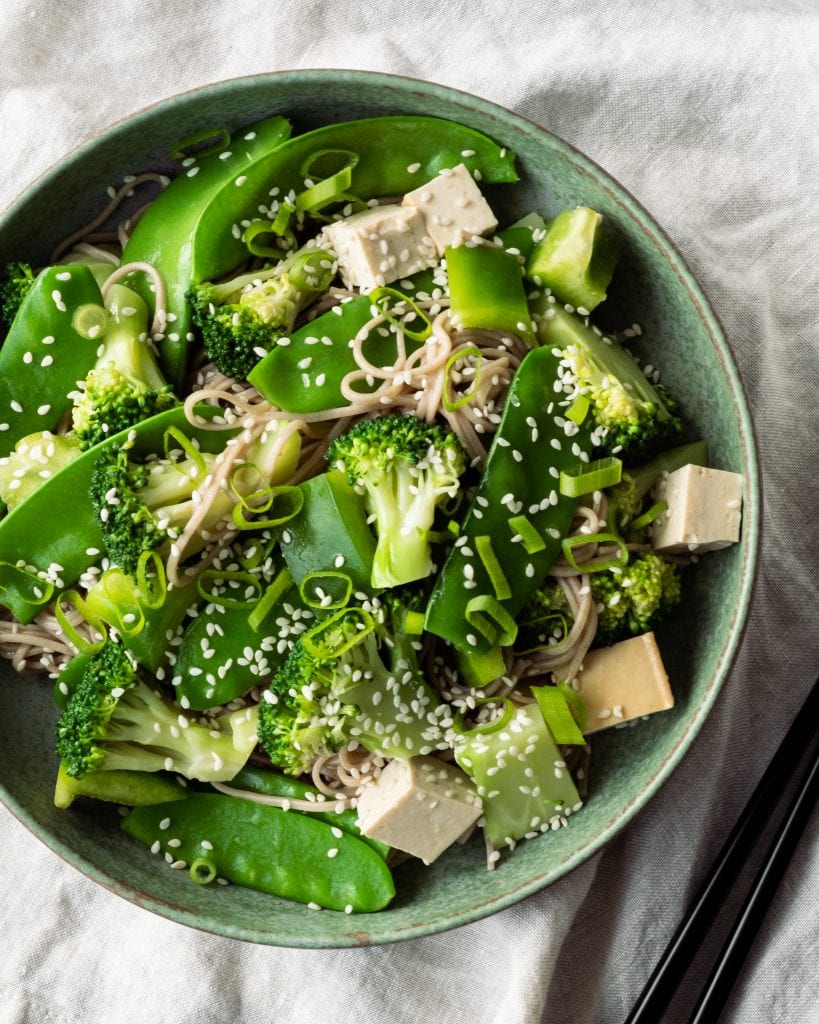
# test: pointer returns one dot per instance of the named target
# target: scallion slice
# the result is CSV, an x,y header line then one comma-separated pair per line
x,y
283,501
648,516
452,404
554,707
75,601
338,633
578,410
492,620
529,536
277,588
90,321
500,584
586,477
581,539
326,581
388,302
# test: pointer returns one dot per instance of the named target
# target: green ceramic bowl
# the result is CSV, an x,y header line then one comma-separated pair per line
x,y
680,334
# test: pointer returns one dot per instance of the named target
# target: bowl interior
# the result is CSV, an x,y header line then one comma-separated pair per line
x,y
679,334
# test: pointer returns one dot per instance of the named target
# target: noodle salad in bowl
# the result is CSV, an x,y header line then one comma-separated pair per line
x,y
365,524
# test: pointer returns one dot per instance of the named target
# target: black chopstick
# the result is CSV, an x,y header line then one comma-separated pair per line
x,y
687,939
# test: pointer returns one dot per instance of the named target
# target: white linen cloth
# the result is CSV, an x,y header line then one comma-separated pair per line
x,y
707,113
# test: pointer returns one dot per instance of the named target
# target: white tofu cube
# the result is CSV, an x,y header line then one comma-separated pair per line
x,y
704,510
453,207
420,805
380,245
623,682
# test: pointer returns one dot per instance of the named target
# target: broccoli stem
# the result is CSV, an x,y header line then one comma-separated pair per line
x,y
126,346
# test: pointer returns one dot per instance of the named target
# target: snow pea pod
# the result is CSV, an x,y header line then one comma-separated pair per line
x,y
57,548
43,355
179,232
330,532
225,651
473,604
270,783
268,849
486,290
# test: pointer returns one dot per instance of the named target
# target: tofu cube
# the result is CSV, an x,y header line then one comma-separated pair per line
x,y
623,682
704,510
380,245
453,207
420,805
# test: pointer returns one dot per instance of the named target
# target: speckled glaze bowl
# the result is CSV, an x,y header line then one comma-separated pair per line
x,y
680,332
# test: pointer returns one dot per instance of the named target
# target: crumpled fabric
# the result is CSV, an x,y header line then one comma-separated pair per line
x,y
707,113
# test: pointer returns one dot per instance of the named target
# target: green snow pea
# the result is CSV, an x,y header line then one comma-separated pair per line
x,y
330,532
490,572
265,848
119,786
43,355
232,646
55,549
271,783
486,290
180,232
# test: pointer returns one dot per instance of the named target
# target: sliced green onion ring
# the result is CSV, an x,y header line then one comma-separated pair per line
x,y
20,583
274,592
460,727
121,605
492,620
314,269
413,624
579,540
528,533
265,500
486,553
75,601
232,579
220,136
381,299
152,591
544,624
450,404
338,633
202,871
558,717
90,320
648,516
326,580
257,228
587,477
189,449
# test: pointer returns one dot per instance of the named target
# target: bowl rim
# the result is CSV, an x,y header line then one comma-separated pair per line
x,y
751,526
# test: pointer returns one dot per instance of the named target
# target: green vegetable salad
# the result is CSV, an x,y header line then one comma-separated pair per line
x,y
336,519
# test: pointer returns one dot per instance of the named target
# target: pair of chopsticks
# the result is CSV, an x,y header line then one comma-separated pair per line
x,y
688,937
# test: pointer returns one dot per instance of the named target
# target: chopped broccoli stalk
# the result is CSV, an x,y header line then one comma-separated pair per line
x,y
630,414
144,506
125,386
630,601
575,259
35,459
15,281
522,796
405,468
371,691
117,720
241,319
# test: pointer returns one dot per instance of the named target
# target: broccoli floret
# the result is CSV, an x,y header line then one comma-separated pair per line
x,y
16,280
125,386
355,678
241,319
630,415
630,601
546,619
34,460
117,720
144,506
633,600
405,468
